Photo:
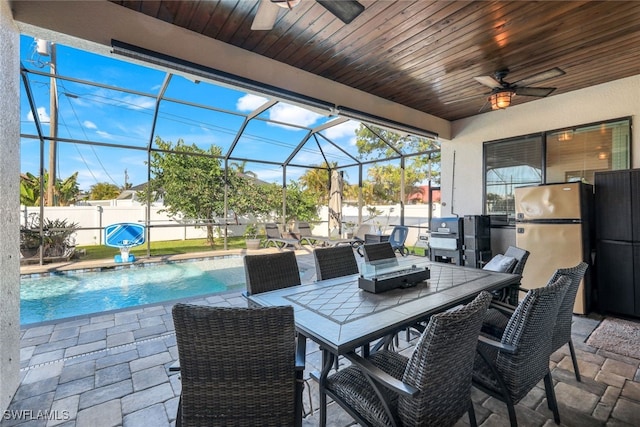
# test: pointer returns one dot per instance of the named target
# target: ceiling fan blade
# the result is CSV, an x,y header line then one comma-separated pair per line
x,y
536,78
345,10
534,91
488,81
265,16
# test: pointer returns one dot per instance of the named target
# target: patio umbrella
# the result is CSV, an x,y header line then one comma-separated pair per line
x,y
335,202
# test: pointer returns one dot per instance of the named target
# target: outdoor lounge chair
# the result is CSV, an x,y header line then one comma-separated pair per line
x,y
238,366
358,238
497,319
335,261
431,388
274,236
510,366
306,236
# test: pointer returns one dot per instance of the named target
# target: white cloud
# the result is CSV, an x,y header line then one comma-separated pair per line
x,y
346,129
280,112
293,114
89,124
104,134
138,102
43,116
250,102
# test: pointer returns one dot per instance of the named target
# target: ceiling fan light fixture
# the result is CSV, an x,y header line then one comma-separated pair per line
x,y
500,100
287,4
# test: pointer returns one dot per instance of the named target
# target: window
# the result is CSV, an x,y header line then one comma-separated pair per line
x,y
572,154
510,164
576,154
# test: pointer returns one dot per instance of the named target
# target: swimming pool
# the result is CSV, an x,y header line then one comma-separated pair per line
x,y
66,295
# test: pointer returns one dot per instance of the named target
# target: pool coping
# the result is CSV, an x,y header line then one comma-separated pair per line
x,y
79,267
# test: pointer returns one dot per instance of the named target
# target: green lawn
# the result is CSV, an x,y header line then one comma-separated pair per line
x,y
170,247
174,247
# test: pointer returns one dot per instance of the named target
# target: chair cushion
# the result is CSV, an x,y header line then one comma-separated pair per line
x,y
500,263
353,388
495,323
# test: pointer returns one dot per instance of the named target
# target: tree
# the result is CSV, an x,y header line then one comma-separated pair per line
x,y
103,191
65,191
247,195
383,185
189,179
316,181
302,204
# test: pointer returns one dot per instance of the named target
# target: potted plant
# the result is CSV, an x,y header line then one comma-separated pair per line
x,y
29,242
251,236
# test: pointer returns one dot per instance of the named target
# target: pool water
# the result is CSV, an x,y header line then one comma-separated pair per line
x,y
66,295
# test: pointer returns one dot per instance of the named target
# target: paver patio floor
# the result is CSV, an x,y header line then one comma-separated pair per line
x,y
112,369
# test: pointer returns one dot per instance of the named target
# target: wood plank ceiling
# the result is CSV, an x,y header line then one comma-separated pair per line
x,y
425,54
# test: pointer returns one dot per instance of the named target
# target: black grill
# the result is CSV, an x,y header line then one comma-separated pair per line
x,y
446,240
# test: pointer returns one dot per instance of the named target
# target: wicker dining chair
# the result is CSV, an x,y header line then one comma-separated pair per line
x,y
508,368
335,261
431,388
519,256
377,251
268,272
238,366
497,318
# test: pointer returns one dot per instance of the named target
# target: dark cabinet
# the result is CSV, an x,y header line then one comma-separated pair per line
x,y
617,215
613,206
616,281
477,240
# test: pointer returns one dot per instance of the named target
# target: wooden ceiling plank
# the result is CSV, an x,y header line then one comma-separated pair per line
x,y
527,53
376,30
389,44
347,33
454,45
423,54
239,22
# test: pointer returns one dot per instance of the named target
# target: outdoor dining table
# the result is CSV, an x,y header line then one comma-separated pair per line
x,y
341,317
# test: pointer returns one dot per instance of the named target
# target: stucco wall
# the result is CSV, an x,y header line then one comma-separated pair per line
x,y
9,207
462,187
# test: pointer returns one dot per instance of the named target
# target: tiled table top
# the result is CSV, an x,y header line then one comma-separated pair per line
x,y
340,316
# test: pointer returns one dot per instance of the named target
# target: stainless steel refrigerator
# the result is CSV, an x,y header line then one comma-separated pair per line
x,y
554,222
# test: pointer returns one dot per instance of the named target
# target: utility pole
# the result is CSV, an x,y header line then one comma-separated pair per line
x,y
53,128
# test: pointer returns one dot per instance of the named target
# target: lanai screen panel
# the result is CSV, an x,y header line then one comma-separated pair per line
x,y
268,141
195,125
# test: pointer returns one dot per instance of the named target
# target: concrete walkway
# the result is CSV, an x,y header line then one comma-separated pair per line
x,y
112,369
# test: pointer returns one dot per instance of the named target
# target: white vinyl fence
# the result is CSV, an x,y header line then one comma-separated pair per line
x,y
93,219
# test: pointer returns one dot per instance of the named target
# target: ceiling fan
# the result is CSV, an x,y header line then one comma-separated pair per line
x,y
502,91
345,10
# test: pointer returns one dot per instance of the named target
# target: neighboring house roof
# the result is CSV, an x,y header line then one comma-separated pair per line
x,y
421,195
130,193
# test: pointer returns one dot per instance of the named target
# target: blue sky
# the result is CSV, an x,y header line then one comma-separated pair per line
x,y
92,113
